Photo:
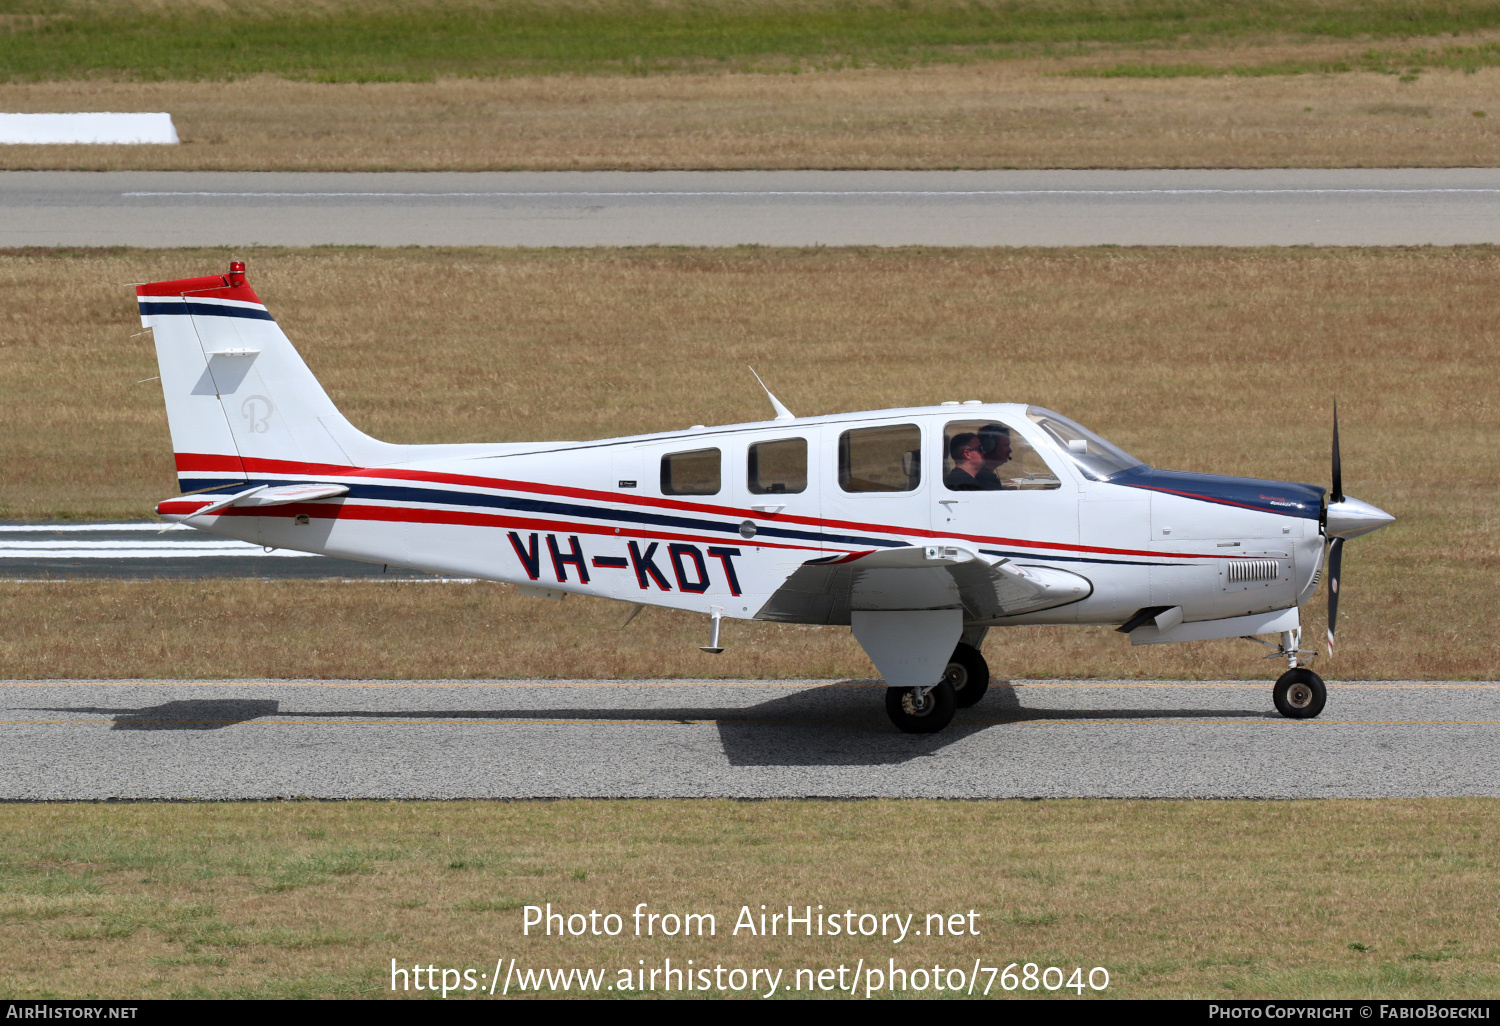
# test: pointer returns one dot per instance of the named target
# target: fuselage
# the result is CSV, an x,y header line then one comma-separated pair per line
x,y
717,518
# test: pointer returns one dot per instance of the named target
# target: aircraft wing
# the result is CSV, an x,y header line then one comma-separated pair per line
x,y
919,577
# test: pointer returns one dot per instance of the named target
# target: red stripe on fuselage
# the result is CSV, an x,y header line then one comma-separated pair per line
x,y
421,515
206,462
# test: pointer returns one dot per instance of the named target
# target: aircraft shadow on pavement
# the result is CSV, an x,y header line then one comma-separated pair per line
x,y
197,714
841,724
849,726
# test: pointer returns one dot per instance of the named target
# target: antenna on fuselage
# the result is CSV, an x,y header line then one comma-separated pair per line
x,y
782,413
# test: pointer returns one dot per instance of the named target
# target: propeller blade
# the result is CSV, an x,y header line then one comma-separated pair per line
x,y
1338,470
1335,571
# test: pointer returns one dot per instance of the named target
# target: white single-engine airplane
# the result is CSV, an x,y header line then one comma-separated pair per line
x,y
921,528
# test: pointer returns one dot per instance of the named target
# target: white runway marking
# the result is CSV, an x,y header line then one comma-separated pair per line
x,y
71,528
164,546
139,548
143,550
709,194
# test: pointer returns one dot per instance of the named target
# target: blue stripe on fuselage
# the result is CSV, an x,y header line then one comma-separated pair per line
x,y
442,497
1284,498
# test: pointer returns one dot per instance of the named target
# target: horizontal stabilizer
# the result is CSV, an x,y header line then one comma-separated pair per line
x,y
298,493
226,502
261,495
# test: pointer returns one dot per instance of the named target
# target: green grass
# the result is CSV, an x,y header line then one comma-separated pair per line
x,y
391,41
1404,62
1389,899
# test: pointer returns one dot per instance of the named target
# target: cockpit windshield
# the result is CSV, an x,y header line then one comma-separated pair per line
x,y
1096,457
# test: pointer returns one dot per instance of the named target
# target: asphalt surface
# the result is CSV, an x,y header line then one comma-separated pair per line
x,y
777,208
141,550
545,739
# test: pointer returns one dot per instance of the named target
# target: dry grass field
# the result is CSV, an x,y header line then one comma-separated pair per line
x,y
331,630
1217,360
1358,899
1022,114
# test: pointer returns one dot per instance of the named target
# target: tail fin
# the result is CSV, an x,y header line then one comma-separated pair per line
x,y
240,401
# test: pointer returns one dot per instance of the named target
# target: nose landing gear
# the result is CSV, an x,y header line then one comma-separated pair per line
x,y
1299,693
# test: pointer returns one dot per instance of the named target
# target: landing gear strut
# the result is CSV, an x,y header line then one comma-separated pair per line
x,y
1299,693
921,710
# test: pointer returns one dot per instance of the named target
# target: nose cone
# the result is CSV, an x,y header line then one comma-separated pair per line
x,y
1351,518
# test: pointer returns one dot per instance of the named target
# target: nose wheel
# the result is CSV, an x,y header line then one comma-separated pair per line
x,y
1299,694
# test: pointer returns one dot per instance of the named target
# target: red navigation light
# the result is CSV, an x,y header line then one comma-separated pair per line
x,y
236,273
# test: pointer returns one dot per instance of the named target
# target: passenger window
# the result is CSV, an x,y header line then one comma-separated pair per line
x,y
778,468
690,473
881,459
986,456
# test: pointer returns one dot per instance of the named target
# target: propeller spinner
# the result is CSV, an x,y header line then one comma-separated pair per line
x,y
1344,518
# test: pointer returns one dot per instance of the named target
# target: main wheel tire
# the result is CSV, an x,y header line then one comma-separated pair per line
x,y
968,674
1299,694
915,713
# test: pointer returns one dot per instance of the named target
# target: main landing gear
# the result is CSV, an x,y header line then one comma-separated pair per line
x,y
1299,694
921,710
968,673
928,710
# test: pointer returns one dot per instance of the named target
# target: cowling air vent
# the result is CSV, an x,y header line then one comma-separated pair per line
x,y
1241,570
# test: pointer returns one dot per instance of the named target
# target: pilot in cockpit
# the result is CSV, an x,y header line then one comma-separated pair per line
x,y
994,441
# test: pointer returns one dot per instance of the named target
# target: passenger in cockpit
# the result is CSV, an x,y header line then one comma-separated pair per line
x,y
968,463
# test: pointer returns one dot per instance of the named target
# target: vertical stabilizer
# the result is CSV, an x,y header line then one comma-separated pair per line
x,y
240,401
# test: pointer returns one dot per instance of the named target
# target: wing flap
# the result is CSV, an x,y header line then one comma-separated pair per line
x,y
917,577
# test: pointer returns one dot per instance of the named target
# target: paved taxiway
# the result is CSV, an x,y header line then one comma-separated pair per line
x,y
533,739
1366,206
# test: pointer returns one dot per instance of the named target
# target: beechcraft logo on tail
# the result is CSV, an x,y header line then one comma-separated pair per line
x,y
257,410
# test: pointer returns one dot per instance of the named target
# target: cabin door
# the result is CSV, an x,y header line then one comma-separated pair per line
x,y
995,489
878,485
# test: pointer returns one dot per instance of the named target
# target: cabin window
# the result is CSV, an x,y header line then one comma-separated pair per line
x,y
690,473
987,456
881,459
779,467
